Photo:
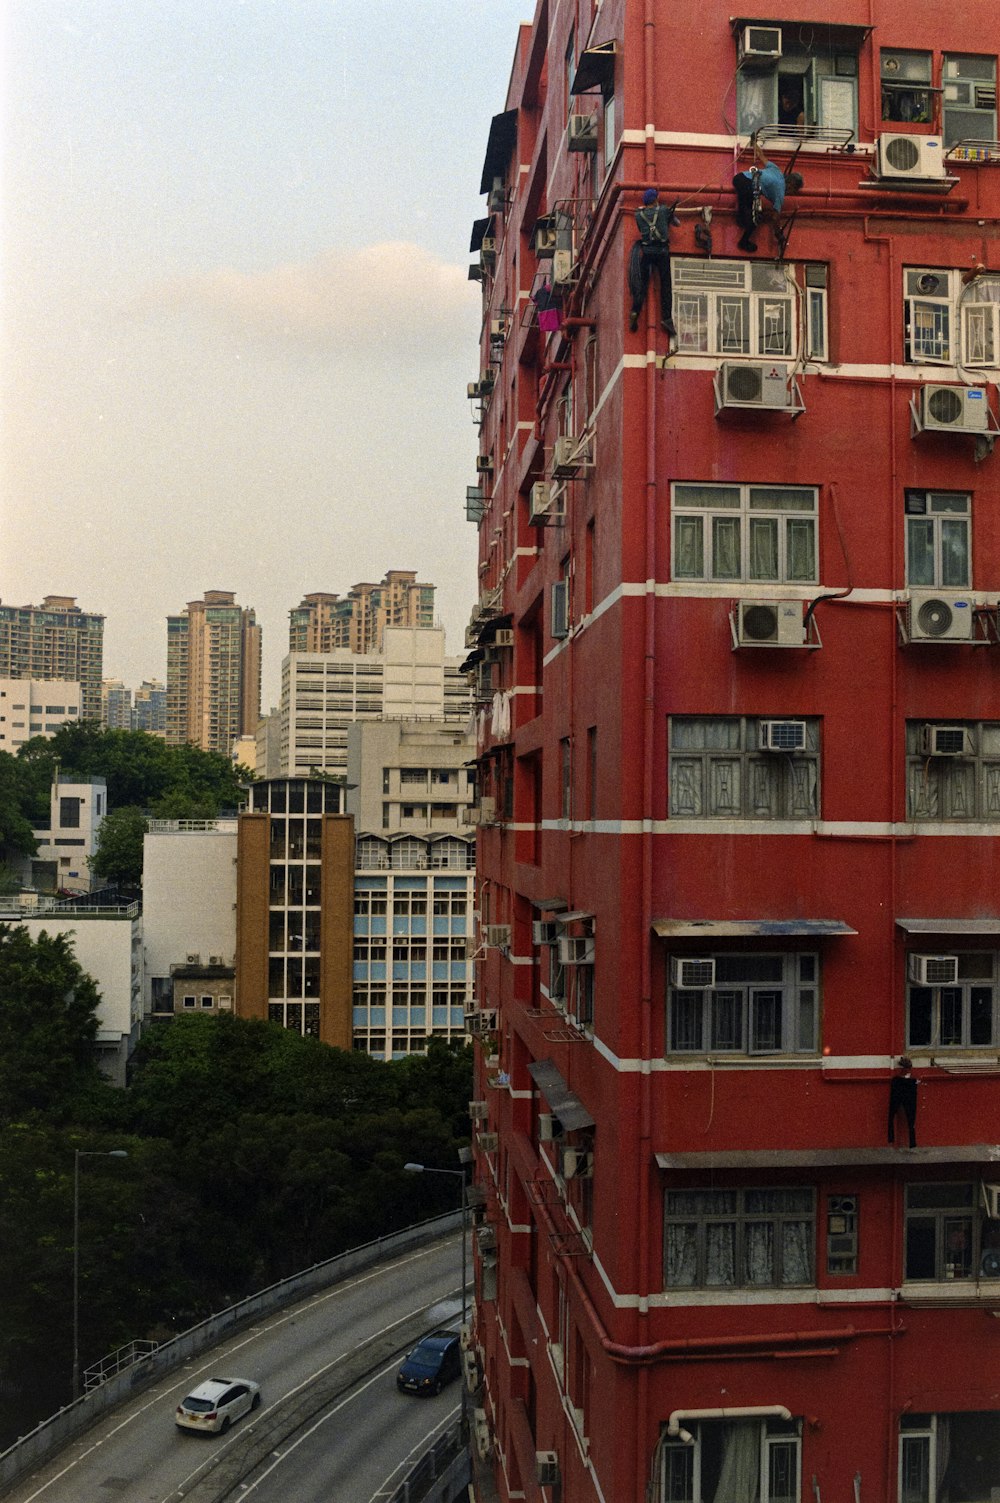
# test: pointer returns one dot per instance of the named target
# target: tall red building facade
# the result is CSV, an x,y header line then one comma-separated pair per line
x,y
738,665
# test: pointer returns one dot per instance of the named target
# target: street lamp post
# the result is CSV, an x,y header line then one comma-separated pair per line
x,y
78,1154
460,1174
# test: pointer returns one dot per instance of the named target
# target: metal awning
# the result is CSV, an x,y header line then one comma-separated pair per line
x,y
750,928
480,229
956,926
830,1158
577,916
503,135
595,70
551,905
565,1105
826,33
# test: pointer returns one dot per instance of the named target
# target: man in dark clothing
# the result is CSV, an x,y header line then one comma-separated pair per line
x,y
652,249
903,1098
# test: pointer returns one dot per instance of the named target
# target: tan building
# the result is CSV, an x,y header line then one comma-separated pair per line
x,y
32,707
295,907
325,622
213,673
55,640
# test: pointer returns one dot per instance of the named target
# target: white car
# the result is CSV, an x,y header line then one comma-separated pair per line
x,y
213,1405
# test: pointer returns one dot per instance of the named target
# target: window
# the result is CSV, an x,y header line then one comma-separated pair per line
x,y
189,1001
69,813
760,1004
947,1237
207,1001
734,307
906,93
949,1458
937,538
950,322
970,99
965,787
813,83
592,772
717,771
745,532
746,1458
565,778
962,1016
738,1239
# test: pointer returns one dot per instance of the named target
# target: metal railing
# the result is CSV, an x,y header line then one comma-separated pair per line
x,y
441,1475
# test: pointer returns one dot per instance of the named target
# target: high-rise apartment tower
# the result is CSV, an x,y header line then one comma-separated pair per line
x,y
213,673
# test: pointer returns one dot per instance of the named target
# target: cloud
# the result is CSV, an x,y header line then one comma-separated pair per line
x,y
394,293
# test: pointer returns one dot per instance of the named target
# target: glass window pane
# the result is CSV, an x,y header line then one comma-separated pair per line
x,y
981,1015
954,552
774,326
727,1020
720,1253
732,325
919,551
689,548
725,548
781,498
763,548
800,546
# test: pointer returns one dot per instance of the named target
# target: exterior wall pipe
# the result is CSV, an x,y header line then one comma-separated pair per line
x,y
759,1411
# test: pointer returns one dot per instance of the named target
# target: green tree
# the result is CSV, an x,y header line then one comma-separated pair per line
x,y
48,1024
118,856
16,835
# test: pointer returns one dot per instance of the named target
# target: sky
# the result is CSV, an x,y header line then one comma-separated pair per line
x,y
236,320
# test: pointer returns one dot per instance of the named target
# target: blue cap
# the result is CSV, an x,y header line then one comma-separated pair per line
x,y
650,196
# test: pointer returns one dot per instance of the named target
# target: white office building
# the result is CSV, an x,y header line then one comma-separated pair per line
x,y
35,707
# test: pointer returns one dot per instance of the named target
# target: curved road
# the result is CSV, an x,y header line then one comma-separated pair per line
x,y
353,1450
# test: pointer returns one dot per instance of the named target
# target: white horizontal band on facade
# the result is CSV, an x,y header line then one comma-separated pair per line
x,y
705,828
830,1064
719,142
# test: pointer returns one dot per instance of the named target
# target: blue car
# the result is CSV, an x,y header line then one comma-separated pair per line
x,y
434,1361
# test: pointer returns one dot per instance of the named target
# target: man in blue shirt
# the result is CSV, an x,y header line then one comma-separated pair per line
x,y
774,185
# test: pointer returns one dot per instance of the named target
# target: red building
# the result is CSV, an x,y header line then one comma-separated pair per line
x,y
738,663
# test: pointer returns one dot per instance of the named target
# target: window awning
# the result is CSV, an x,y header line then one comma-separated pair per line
x,y
956,926
830,1158
595,70
551,905
575,917
480,229
503,135
565,1105
712,929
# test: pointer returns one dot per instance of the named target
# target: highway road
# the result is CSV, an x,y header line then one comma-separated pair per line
x,y
331,1429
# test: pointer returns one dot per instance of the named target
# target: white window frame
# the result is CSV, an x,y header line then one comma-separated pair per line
x,y
961,320
943,789
922,1434
738,502
771,1437
934,510
740,310
788,1004
978,970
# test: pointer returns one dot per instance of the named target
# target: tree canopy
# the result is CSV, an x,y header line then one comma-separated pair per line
x,y
118,857
48,1024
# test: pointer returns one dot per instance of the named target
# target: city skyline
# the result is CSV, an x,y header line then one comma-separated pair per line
x,y
238,318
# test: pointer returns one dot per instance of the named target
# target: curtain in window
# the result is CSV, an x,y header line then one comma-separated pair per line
x,y
739,1477
796,1252
943,1452
758,1252
682,1256
763,548
800,543
689,552
720,1253
726,548
954,551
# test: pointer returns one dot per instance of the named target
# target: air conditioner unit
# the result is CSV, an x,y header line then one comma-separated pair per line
x,y
544,931
498,936
568,457
563,268
945,741
935,616
481,1021
499,327
576,951
215,960
746,385
546,1468
487,810
582,133
954,409
488,1142
933,970
194,960
481,1431
545,503
488,251
486,1238
550,1129
465,1340
484,463
474,391
503,638
497,201
470,1370
759,44
770,623
782,735
691,974
478,1111
920,157
576,1163
545,237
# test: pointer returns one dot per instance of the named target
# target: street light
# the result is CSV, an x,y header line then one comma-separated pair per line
x,y
460,1174
78,1154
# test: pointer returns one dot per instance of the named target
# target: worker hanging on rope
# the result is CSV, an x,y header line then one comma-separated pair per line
x,y
652,249
760,193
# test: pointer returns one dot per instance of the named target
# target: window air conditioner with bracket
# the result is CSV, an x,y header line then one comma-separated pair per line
x,y
576,1163
770,623
478,1111
933,970
759,44
954,409
549,1127
582,133
503,638
691,974
935,616
497,200
547,1468
761,385
576,951
544,931
498,936
484,464
915,157
782,735
545,503
944,741
481,1431
569,456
